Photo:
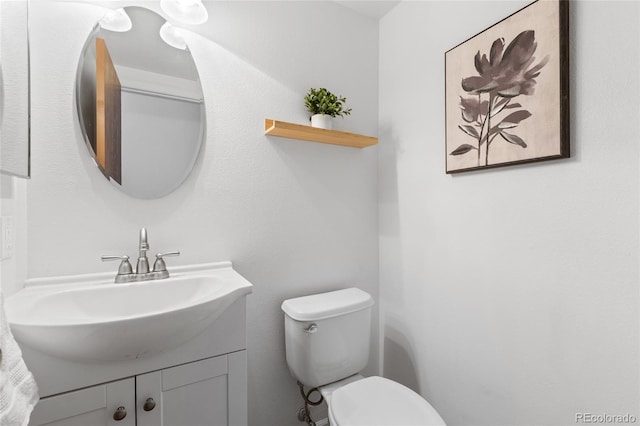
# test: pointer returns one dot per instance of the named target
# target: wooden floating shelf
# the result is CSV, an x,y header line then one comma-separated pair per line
x,y
313,134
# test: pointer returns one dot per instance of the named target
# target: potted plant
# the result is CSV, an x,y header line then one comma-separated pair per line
x,y
324,105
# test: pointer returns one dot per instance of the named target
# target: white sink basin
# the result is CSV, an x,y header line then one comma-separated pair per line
x,y
89,318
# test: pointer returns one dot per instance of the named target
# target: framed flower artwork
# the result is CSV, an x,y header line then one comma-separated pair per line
x,y
507,91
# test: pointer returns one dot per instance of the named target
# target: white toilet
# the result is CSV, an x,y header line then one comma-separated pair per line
x,y
327,344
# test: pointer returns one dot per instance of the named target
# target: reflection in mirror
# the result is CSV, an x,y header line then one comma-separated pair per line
x,y
14,89
140,105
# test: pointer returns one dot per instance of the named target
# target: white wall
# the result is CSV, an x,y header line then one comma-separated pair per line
x,y
510,296
152,127
294,217
14,81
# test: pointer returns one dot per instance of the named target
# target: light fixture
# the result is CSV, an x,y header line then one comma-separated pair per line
x,y
172,36
116,20
191,12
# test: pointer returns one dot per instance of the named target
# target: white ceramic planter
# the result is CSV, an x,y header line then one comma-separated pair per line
x,y
322,121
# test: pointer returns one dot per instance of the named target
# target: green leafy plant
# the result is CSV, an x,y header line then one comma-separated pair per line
x,y
322,101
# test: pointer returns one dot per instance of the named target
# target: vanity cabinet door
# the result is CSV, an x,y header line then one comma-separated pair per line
x,y
211,392
94,406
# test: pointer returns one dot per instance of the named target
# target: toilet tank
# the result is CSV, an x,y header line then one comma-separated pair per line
x,y
327,335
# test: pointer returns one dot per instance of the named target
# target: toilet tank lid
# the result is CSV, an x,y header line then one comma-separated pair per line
x,y
327,305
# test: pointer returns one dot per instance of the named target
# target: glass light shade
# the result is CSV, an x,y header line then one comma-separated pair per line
x,y
190,12
172,36
116,20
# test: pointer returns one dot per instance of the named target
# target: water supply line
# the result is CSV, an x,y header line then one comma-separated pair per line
x,y
305,415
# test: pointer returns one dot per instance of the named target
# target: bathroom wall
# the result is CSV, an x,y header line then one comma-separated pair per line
x,y
294,217
152,124
510,296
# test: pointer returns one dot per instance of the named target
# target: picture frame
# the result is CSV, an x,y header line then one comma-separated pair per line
x,y
507,91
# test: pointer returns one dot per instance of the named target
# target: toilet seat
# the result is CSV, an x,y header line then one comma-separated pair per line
x,y
376,401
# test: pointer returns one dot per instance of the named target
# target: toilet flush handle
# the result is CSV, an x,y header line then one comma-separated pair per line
x,y
311,328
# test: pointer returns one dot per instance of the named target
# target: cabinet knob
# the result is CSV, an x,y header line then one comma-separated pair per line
x,y
120,414
149,404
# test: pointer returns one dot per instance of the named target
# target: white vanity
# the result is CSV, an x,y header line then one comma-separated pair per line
x,y
196,374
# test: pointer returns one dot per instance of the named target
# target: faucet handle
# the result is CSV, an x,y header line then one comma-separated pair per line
x,y
124,268
159,265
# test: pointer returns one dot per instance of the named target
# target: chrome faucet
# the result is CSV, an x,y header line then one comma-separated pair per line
x,y
125,270
143,247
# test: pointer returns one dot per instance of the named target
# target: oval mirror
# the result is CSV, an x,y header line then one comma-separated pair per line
x,y
140,103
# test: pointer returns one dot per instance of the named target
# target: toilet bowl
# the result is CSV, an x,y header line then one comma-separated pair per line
x,y
327,338
377,401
